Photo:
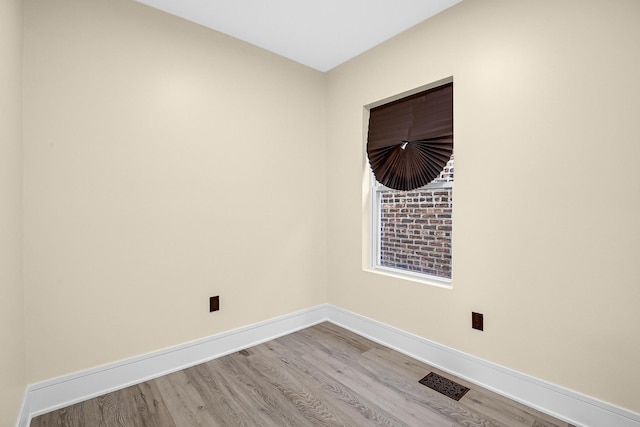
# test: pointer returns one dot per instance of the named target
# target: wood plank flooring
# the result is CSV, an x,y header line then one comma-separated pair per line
x,y
321,376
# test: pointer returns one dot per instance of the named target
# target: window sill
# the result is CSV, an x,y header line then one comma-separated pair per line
x,y
413,277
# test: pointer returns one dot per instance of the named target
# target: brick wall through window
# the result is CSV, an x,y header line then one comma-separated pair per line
x,y
416,227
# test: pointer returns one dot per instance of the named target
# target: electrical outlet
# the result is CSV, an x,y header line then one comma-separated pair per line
x,y
214,304
477,321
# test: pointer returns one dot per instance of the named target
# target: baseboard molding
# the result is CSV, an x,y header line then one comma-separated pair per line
x,y
24,416
549,398
57,393
560,402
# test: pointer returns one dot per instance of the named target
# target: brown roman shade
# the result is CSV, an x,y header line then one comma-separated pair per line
x,y
411,140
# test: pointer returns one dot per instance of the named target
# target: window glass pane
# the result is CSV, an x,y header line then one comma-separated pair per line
x,y
415,227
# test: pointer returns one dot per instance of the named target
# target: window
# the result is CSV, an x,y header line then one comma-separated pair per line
x,y
413,228
412,189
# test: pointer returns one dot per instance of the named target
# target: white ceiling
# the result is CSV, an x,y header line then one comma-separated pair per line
x,y
318,33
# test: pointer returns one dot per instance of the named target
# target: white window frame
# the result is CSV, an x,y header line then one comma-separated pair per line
x,y
376,189
371,237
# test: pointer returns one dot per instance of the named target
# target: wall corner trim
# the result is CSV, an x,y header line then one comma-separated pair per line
x,y
554,400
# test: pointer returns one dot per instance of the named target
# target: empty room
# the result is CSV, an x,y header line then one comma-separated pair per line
x,y
205,221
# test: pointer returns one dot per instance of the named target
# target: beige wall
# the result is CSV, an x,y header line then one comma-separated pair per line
x,y
12,328
164,163
547,192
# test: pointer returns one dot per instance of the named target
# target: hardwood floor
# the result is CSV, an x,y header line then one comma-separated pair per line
x,y
320,376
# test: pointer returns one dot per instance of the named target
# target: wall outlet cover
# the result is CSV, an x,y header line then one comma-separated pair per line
x,y
214,304
477,321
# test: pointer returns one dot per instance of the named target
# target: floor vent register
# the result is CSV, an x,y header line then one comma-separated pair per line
x,y
444,385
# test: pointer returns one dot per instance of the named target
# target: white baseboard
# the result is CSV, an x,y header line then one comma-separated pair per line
x,y
562,403
57,393
549,398
24,416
